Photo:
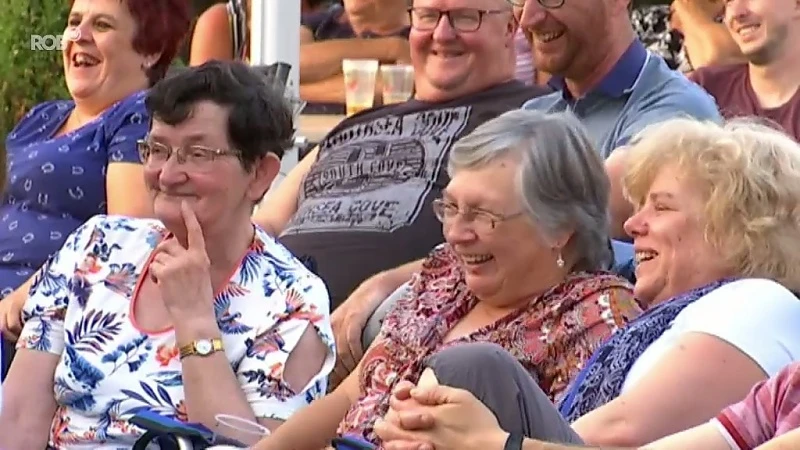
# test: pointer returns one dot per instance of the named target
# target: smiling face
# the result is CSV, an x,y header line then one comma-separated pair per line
x,y
449,63
564,40
498,263
220,192
762,28
100,64
672,254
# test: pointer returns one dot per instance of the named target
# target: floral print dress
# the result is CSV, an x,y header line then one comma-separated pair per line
x,y
80,309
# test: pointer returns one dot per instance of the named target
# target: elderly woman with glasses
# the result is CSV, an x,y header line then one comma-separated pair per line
x,y
526,230
191,315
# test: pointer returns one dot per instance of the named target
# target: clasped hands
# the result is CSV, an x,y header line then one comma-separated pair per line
x,y
430,416
182,272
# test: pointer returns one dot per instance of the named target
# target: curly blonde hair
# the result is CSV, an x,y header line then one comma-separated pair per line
x,y
749,176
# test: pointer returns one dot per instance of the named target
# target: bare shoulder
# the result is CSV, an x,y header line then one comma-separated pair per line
x,y
215,17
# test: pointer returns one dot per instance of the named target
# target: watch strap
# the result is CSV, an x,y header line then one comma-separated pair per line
x,y
190,349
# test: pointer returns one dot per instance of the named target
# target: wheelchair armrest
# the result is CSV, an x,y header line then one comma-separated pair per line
x,y
373,326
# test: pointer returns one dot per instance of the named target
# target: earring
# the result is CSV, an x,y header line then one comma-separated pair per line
x,y
560,261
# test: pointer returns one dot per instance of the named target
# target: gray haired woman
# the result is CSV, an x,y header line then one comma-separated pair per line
x,y
525,224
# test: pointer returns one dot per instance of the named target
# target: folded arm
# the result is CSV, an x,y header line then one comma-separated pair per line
x,y
327,90
321,60
331,90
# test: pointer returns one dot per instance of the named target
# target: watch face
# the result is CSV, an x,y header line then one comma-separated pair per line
x,y
203,347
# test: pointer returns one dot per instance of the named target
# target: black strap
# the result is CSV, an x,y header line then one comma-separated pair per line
x,y
237,15
145,440
514,442
165,441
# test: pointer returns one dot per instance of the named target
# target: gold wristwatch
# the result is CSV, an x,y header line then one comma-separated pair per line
x,y
201,347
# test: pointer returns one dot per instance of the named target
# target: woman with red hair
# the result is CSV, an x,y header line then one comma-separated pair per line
x,y
69,160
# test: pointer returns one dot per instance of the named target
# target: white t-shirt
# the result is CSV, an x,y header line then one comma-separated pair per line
x,y
759,317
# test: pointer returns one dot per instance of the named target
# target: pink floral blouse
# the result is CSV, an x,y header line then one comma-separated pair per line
x,y
552,336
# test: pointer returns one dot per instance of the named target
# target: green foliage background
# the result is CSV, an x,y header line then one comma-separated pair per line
x,y
28,77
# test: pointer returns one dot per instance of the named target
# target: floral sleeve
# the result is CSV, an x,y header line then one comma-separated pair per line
x,y
261,371
59,282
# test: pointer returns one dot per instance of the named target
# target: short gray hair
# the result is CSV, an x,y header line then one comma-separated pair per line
x,y
561,180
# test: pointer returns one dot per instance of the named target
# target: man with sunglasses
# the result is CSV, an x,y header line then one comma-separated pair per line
x,y
360,204
602,72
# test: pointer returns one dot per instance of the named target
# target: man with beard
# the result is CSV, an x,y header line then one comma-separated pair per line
x,y
602,72
767,32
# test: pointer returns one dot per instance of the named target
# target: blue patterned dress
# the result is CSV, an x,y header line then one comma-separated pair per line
x,y
110,369
57,183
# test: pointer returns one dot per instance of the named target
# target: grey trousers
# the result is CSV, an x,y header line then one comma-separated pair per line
x,y
500,382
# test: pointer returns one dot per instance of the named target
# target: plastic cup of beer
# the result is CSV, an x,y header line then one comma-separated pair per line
x,y
359,83
397,83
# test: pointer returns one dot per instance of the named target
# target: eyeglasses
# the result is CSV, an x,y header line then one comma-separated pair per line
x,y
549,4
481,221
193,157
465,20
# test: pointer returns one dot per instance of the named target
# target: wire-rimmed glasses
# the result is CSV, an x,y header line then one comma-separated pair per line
x,y
192,157
481,221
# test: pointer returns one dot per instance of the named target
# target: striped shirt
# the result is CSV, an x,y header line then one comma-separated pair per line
x,y
771,409
522,49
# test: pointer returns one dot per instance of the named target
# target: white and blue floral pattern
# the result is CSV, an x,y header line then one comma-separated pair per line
x,y
80,309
